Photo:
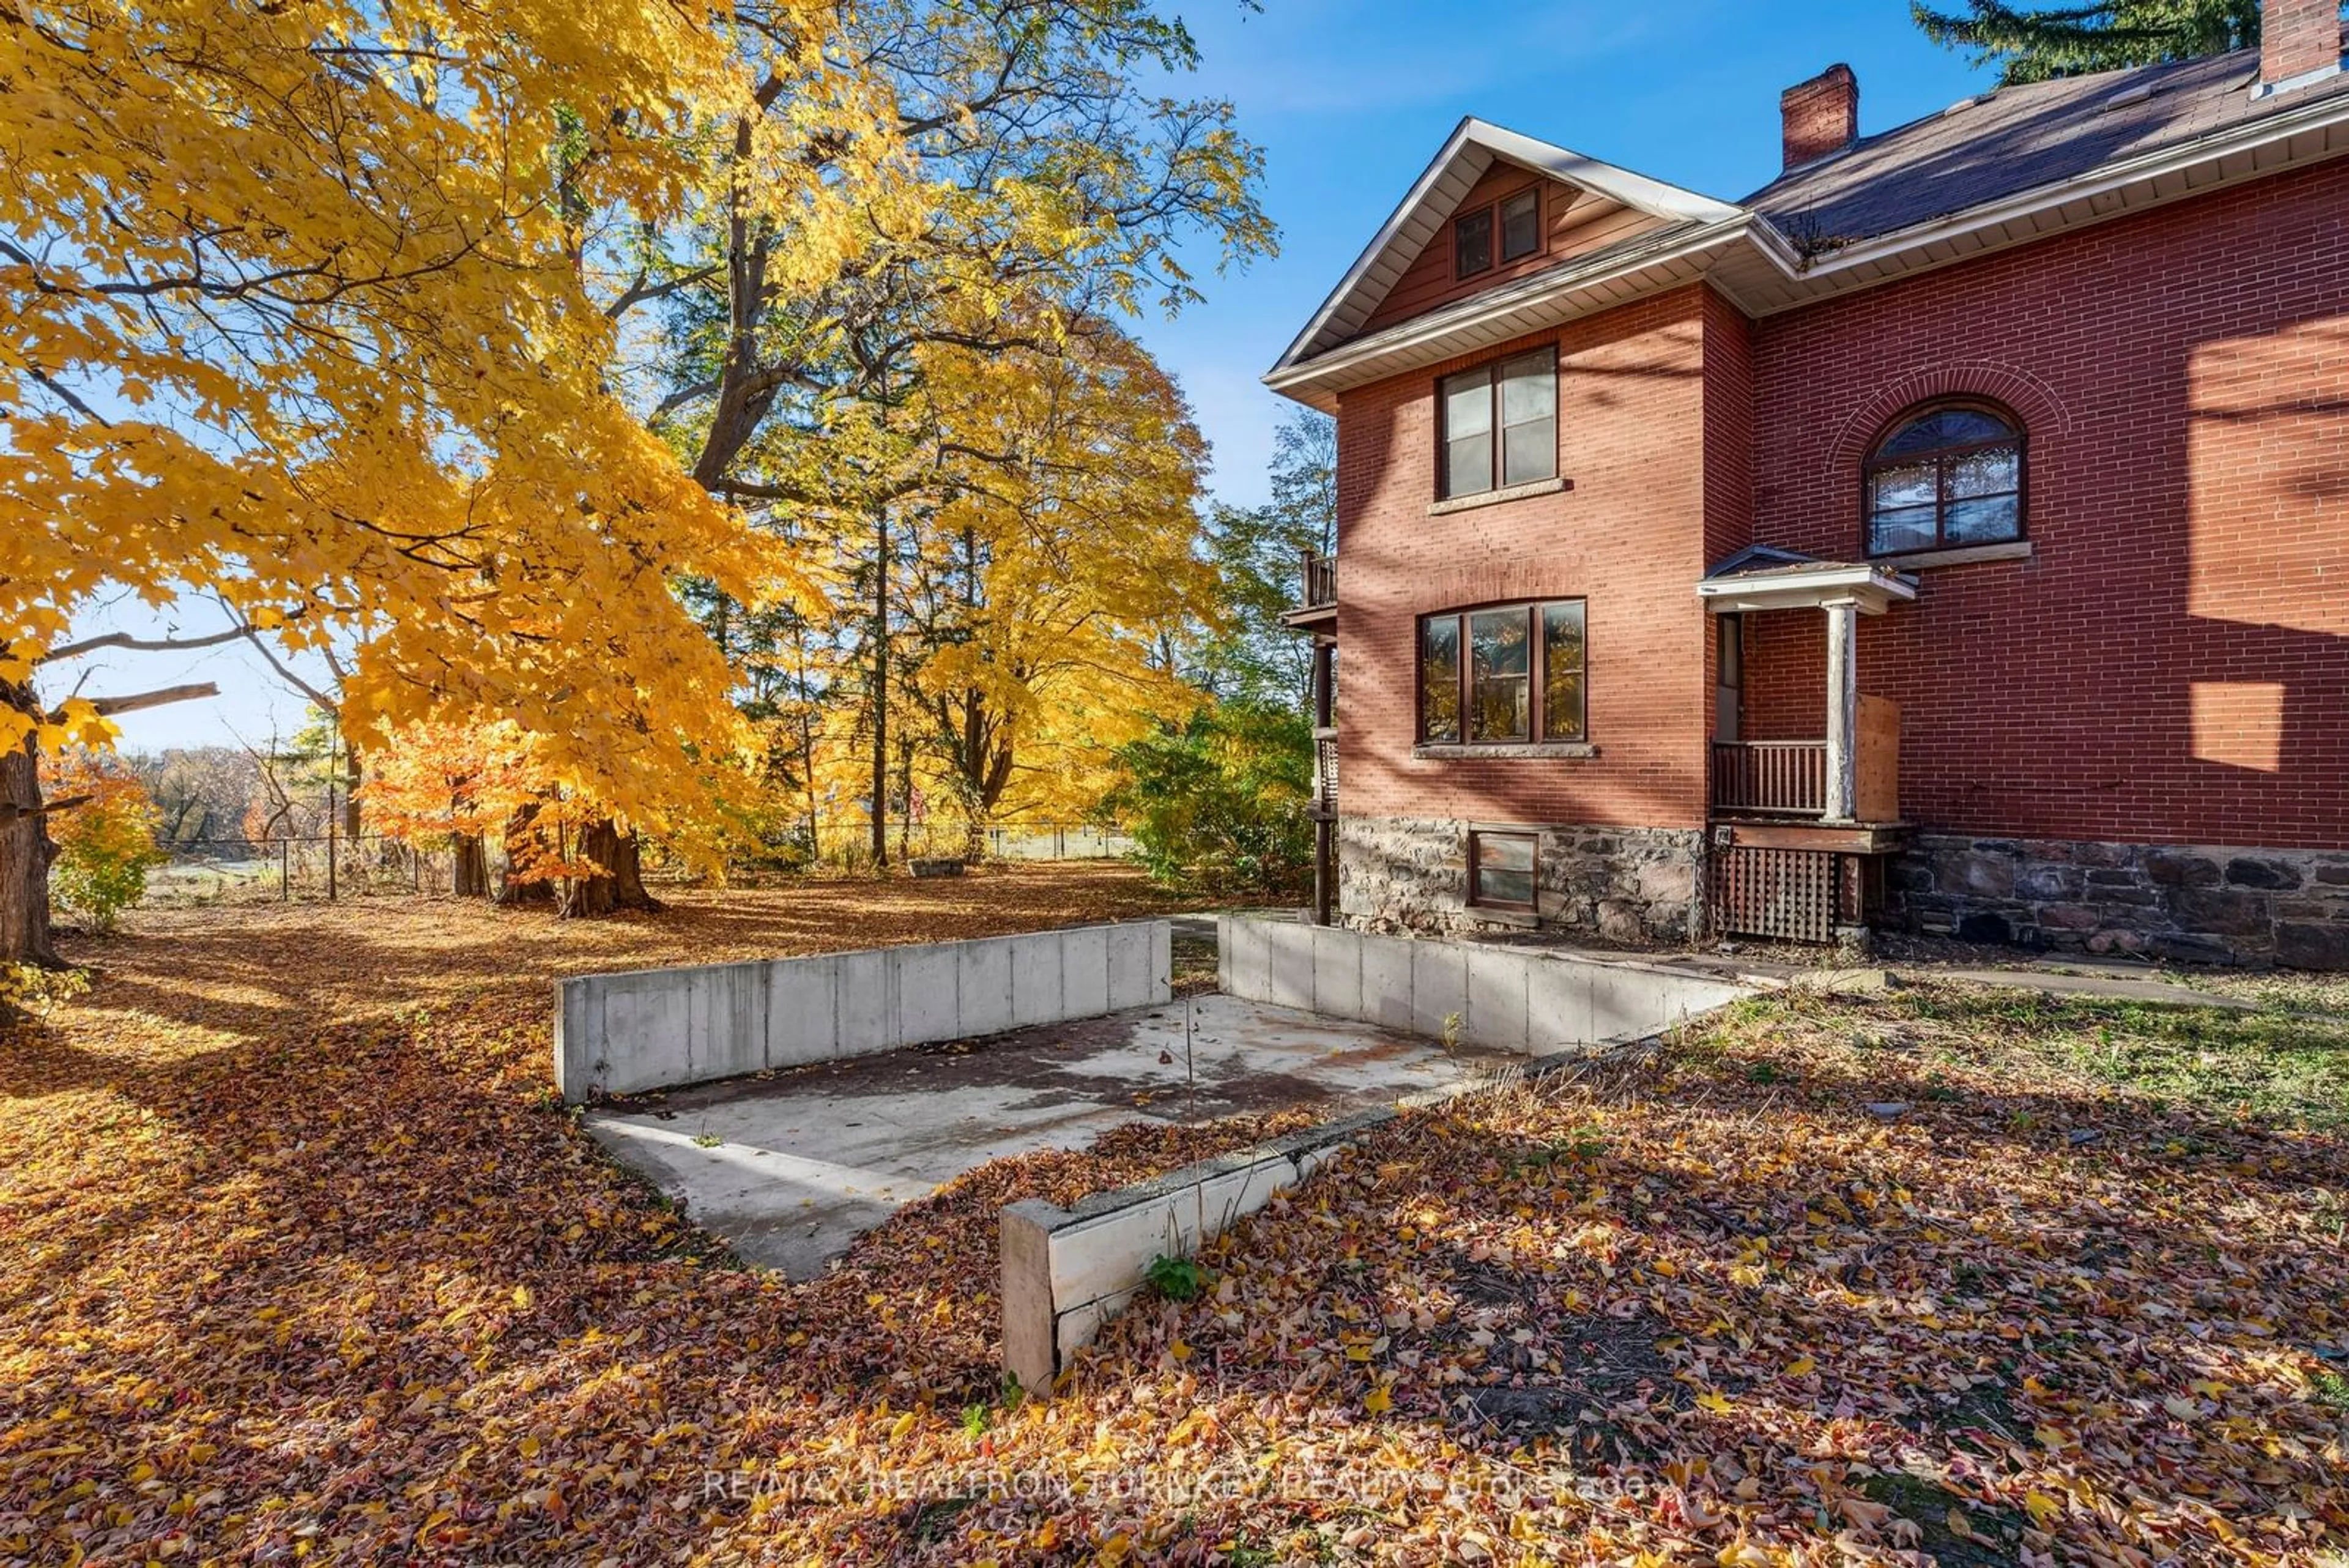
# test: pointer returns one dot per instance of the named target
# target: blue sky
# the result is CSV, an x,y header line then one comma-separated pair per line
x,y
1348,100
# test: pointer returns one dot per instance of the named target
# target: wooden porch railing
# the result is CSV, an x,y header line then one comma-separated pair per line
x,y
1325,774
1320,581
1770,778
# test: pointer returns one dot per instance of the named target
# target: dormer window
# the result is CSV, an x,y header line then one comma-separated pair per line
x,y
1521,224
1518,219
1472,243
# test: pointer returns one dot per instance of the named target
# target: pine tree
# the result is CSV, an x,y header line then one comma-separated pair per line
x,y
2031,45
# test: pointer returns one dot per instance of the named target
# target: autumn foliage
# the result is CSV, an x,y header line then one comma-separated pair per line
x,y
305,1260
105,839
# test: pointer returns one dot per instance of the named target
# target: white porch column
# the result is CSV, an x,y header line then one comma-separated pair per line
x,y
1843,708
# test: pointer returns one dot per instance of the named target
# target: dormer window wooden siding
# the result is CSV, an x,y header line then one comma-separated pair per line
x,y
1512,221
1514,218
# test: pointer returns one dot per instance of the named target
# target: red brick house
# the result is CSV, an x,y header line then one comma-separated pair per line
x,y
1952,534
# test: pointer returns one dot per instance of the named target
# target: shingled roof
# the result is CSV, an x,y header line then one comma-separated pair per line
x,y
2009,168
2016,140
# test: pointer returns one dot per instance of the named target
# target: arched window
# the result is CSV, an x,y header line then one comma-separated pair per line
x,y
1945,477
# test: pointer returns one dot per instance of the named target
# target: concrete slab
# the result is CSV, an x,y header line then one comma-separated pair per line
x,y
792,1166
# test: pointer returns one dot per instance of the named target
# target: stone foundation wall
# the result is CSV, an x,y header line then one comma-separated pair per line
x,y
2200,904
1400,874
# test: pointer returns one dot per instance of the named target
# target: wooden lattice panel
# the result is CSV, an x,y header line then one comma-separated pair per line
x,y
1788,895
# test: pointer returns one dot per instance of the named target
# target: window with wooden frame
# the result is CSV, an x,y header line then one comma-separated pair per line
x,y
1503,675
1944,477
1514,220
1472,243
1520,223
1498,425
1501,870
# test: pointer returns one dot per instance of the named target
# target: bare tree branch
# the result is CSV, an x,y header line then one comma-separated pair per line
x,y
138,702
140,644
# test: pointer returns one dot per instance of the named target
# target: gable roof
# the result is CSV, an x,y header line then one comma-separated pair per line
x,y
1473,148
2002,170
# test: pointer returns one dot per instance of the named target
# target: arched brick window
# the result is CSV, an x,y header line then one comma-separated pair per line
x,y
1945,476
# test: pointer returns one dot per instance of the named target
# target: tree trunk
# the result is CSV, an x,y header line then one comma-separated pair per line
x,y
471,878
25,845
351,781
881,689
620,885
521,852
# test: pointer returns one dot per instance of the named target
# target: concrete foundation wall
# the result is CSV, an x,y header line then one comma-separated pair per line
x,y
657,1028
1504,998
1067,1272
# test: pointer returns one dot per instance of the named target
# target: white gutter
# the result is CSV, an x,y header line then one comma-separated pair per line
x,y
1903,249
2104,179
1675,245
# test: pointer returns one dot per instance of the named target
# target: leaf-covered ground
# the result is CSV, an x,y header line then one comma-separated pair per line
x,y
296,1263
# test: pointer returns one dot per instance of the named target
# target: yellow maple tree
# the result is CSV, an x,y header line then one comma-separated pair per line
x,y
306,320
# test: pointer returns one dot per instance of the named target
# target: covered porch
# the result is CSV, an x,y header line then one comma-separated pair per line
x,y
1803,770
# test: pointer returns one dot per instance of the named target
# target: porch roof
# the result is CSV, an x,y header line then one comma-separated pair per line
x,y
1765,577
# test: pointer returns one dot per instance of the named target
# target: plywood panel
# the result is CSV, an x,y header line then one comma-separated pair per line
x,y
1878,762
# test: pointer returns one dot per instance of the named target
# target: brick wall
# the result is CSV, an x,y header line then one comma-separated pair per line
x,y
1630,536
2172,664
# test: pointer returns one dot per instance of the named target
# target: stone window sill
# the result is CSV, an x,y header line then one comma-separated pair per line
x,y
1964,556
1495,497
1550,749
1523,920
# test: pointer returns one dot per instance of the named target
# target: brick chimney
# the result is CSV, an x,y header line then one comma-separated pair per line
x,y
1821,116
2298,39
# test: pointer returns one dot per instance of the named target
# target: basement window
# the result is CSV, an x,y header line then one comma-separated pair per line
x,y
1501,871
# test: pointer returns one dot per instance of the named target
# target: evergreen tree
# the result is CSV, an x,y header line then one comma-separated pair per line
x,y
2036,44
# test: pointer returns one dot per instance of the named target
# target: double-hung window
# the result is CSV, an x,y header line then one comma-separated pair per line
x,y
1499,424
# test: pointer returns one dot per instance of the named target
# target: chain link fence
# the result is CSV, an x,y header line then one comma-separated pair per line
x,y
307,867
302,867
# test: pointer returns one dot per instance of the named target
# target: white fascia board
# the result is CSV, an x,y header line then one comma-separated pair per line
x,y
1481,309
1650,196
1874,588
1974,231
1635,191
1379,242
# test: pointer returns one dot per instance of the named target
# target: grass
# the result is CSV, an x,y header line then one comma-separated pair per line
x,y
2269,1064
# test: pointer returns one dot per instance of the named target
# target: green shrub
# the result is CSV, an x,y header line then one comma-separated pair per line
x,y
1218,805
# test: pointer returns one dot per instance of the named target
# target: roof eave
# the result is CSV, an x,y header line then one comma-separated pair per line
x,y
1874,589
1401,341
1636,191
2197,163
2111,189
